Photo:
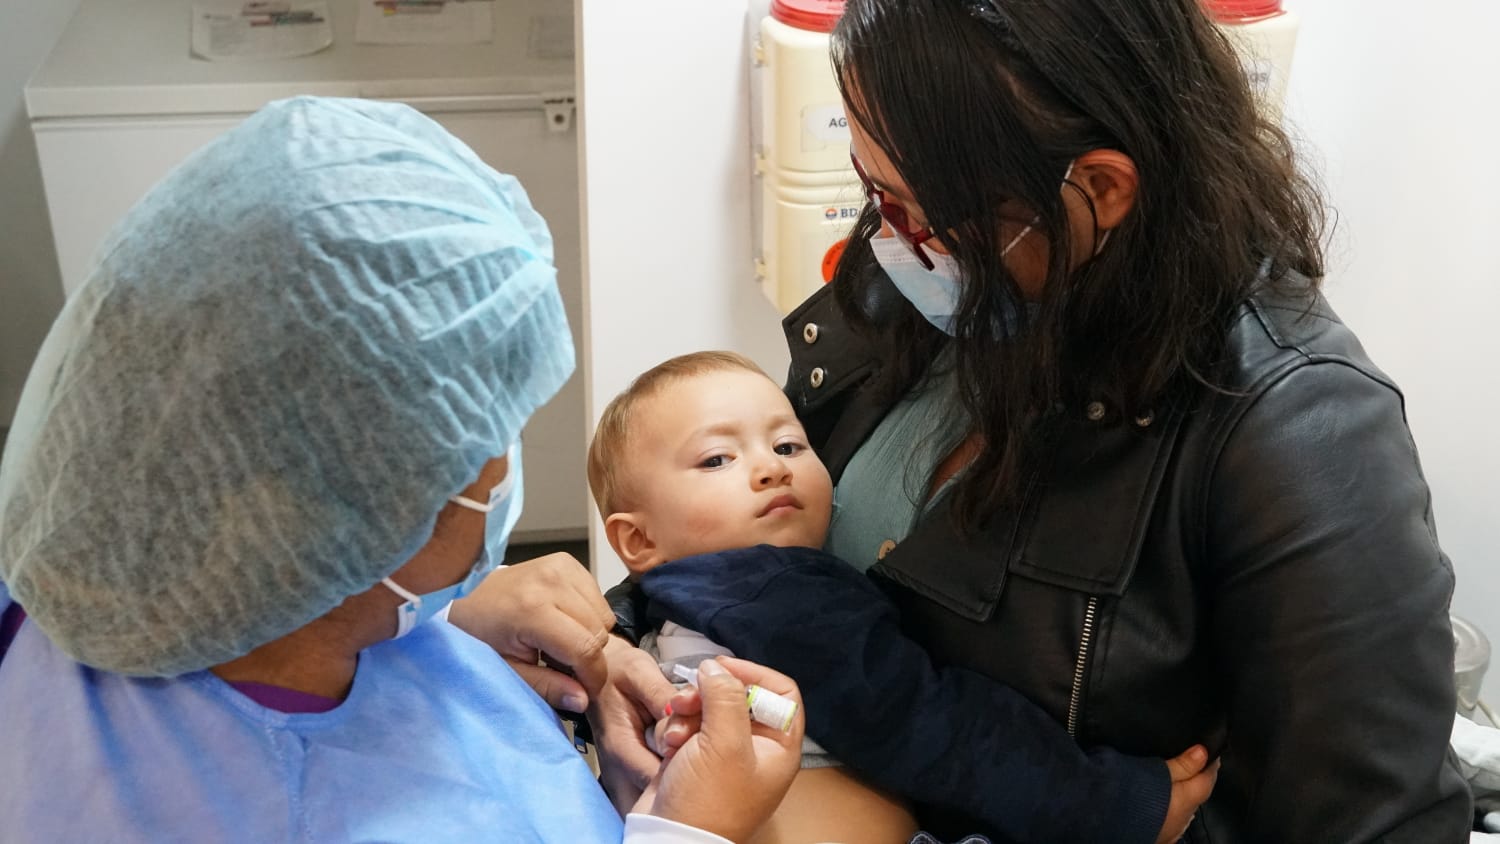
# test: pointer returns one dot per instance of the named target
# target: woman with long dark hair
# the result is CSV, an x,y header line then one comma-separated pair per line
x,y
1143,475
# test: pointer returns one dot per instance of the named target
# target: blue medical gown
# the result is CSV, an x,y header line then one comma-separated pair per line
x,y
439,740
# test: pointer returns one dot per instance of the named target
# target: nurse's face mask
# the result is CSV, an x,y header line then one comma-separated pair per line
x,y
500,514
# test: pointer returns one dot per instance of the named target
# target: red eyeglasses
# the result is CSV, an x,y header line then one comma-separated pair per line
x,y
894,214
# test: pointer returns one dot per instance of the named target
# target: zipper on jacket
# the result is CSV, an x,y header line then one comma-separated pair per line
x,y
1084,640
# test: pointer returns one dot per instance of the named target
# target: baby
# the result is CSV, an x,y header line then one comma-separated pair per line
x,y
703,464
700,454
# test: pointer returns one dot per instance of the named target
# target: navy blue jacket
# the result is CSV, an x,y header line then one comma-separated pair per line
x,y
877,701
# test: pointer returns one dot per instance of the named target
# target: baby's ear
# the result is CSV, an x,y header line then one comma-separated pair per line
x,y
626,533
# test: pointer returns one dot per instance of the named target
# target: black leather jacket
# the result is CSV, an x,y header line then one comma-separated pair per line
x,y
1258,572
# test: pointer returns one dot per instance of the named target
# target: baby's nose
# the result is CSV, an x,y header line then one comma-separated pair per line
x,y
774,471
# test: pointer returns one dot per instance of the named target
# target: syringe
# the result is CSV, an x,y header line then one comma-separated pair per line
x,y
766,707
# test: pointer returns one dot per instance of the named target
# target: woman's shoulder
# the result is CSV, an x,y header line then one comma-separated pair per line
x,y
1295,388
1276,332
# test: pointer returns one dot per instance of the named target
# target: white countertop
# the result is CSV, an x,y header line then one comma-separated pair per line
x,y
133,58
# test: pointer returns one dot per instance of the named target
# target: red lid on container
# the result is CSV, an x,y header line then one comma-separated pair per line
x,y
812,15
1241,11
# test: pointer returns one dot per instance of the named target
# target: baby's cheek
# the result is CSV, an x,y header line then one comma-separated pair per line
x,y
708,527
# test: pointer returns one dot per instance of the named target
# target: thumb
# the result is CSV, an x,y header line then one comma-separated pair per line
x,y
1188,763
726,721
558,689
1201,785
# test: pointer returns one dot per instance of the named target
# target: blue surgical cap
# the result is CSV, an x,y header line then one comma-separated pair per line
x,y
286,358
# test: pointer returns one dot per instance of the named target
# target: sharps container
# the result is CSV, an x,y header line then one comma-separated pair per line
x,y
1471,657
809,194
1266,35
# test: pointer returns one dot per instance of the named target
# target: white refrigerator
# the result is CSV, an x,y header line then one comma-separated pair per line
x,y
121,100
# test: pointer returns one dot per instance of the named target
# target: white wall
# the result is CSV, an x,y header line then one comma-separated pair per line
x,y
30,291
666,210
1401,108
1398,109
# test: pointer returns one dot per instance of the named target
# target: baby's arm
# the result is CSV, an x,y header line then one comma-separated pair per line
x,y
946,737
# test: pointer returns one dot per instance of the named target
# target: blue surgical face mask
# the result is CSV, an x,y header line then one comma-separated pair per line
x,y
935,293
500,515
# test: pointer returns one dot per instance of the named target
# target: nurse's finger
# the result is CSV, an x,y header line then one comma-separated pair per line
x,y
726,725
583,582
674,732
683,721
567,642
565,572
577,593
753,673
686,701
558,689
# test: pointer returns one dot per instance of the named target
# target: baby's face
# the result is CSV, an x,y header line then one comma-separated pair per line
x,y
720,461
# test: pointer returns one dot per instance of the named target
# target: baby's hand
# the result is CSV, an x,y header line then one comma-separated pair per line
x,y
1192,783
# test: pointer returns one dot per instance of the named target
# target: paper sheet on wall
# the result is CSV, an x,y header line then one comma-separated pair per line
x,y
228,32
424,22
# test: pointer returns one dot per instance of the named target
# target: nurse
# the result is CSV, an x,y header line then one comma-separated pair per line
x,y
262,474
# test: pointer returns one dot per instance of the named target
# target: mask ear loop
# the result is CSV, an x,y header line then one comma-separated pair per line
x,y
414,598
1005,250
1099,247
1034,220
1099,240
471,504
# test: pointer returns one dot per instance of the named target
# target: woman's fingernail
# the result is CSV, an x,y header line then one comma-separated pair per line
x,y
711,667
1199,755
575,703
669,709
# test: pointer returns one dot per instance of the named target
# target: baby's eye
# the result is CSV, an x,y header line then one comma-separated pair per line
x,y
714,462
787,449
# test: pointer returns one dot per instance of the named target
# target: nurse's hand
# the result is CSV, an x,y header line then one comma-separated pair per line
x,y
635,696
547,608
730,776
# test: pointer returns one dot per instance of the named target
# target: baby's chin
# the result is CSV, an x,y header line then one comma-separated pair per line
x,y
782,539
778,539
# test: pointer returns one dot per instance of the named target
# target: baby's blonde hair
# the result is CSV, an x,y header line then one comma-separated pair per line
x,y
612,438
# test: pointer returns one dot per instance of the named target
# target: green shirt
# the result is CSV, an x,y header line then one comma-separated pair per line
x,y
883,490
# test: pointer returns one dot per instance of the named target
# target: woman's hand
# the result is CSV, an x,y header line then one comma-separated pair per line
x,y
635,696
1192,782
551,608
729,777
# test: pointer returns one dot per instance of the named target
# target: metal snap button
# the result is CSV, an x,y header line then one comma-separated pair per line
x,y
1095,411
816,378
1145,419
886,547
810,333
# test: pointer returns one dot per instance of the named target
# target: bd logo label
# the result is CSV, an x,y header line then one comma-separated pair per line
x,y
831,213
